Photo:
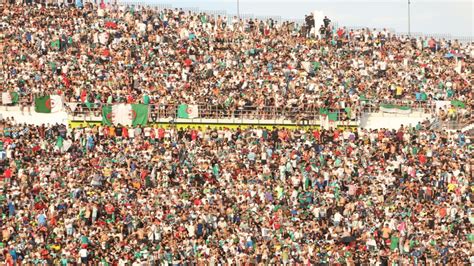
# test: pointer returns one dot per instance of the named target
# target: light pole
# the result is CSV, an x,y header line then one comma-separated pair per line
x,y
409,31
238,8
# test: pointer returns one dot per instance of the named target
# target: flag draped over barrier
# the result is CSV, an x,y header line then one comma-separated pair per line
x,y
10,98
188,111
396,109
332,116
125,114
48,104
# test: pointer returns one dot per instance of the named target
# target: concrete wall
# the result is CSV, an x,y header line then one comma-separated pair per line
x,y
33,117
391,121
222,121
63,118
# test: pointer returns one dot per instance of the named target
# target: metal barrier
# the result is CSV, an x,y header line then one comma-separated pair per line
x,y
439,36
265,112
336,24
261,112
456,123
221,112
279,19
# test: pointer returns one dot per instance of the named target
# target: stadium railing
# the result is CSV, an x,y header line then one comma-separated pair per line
x,y
279,19
221,112
262,112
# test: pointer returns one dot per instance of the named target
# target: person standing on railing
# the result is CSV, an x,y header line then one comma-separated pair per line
x,y
26,102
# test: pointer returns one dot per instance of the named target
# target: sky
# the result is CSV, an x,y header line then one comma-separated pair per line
x,y
454,17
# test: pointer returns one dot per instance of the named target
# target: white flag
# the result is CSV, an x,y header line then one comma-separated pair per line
x,y
6,98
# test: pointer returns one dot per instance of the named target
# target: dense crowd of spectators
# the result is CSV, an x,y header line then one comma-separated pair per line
x,y
106,54
103,195
114,195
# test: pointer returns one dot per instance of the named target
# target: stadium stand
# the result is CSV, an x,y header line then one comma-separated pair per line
x,y
144,136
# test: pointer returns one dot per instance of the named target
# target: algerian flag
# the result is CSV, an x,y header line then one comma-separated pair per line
x,y
458,104
48,104
332,116
15,97
85,100
125,114
396,109
56,103
10,98
188,111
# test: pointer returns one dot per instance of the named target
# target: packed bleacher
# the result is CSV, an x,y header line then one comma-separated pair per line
x,y
107,54
146,194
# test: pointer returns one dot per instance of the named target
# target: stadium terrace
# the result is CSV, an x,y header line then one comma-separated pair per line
x,y
122,188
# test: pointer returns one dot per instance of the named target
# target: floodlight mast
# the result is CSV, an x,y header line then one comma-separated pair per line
x,y
409,30
238,8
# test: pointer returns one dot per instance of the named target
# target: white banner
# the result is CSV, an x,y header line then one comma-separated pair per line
x,y
33,118
6,98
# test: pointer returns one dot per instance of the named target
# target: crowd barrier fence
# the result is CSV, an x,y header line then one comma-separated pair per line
x,y
268,113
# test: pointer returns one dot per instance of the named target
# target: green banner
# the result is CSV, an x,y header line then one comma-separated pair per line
x,y
398,109
458,104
